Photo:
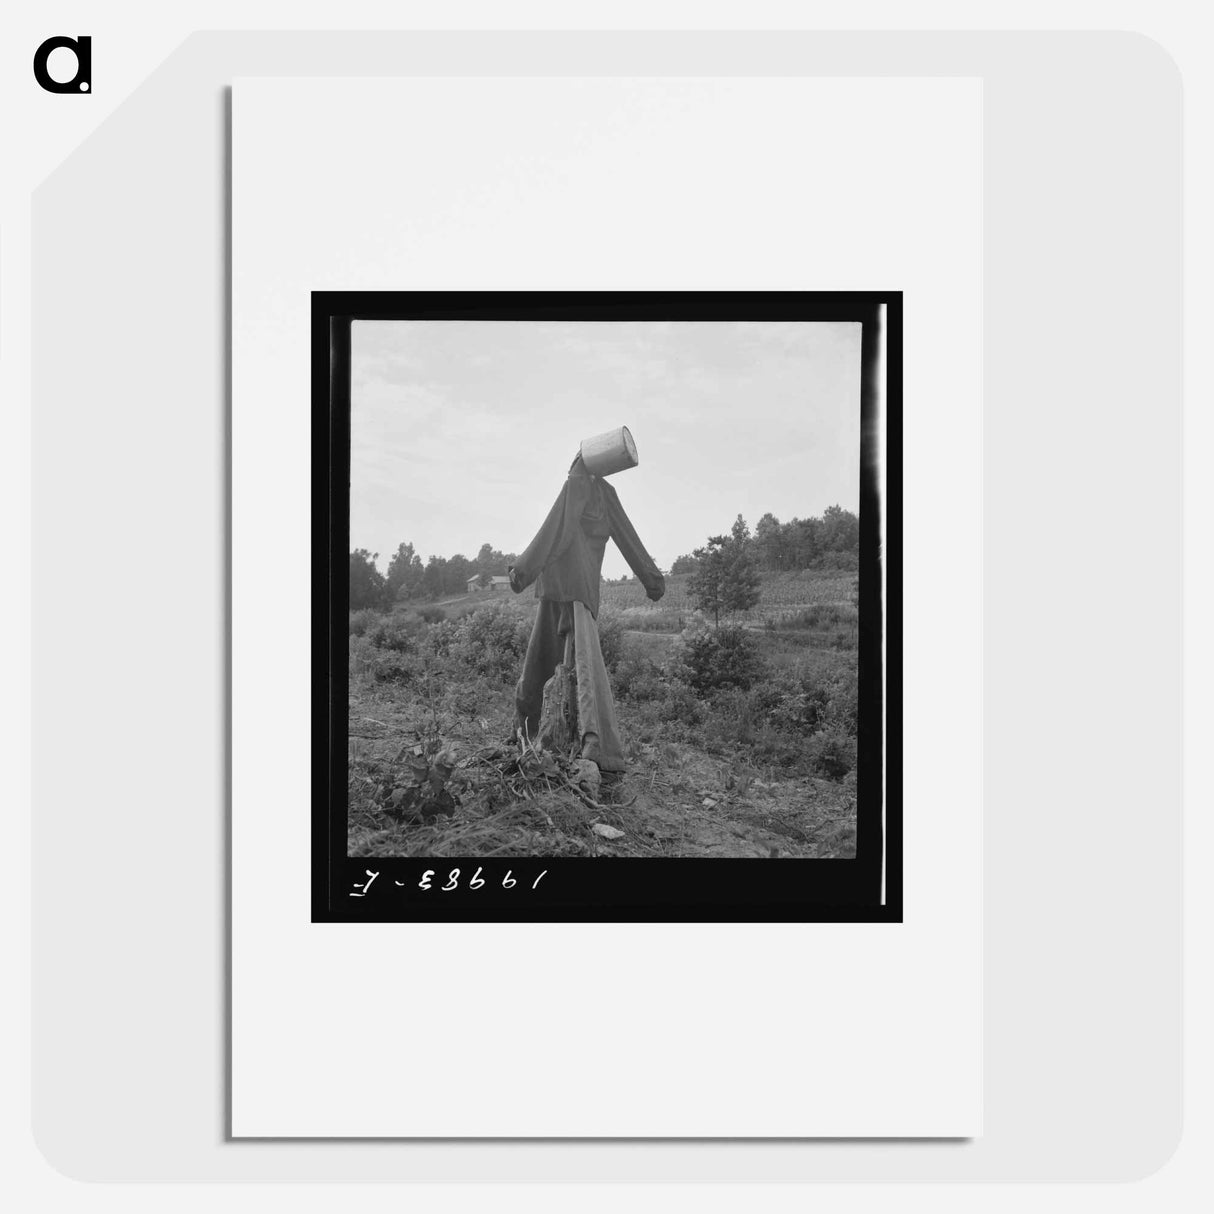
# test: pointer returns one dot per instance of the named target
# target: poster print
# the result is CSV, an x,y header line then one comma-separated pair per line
x,y
606,606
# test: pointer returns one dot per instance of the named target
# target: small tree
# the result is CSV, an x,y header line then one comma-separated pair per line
x,y
768,542
367,584
456,574
404,573
434,577
725,578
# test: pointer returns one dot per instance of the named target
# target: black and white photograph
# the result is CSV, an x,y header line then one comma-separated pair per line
x,y
606,598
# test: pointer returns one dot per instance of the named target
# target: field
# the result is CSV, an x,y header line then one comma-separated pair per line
x,y
741,742
784,596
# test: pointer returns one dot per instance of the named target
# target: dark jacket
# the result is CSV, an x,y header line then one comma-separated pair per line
x,y
565,560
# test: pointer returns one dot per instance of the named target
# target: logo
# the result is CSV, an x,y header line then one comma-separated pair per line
x,y
82,81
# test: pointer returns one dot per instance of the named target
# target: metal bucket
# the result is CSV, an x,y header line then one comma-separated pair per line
x,y
613,451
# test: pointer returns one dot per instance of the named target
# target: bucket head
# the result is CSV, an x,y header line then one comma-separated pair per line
x,y
612,451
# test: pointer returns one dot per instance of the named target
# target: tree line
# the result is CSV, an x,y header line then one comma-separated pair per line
x,y
831,541
725,572
409,579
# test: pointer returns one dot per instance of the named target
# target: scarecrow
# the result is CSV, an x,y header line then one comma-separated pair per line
x,y
563,700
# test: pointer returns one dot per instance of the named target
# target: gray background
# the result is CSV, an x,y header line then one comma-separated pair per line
x,y
1082,576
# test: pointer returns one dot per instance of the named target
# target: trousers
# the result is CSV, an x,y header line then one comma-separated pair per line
x,y
556,624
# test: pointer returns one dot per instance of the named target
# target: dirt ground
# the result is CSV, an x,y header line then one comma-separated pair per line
x,y
709,807
675,799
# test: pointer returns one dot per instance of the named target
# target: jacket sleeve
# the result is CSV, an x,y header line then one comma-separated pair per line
x,y
558,531
629,543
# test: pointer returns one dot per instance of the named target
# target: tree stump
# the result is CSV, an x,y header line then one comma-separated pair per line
x,y
558,717
558,730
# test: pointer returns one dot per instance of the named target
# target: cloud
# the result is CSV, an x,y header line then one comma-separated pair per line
x,y
462,431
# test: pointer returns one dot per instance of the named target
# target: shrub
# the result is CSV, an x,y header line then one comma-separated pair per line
x,y
790,718
799,706
361,620
680,704
841,713
368,661
490,641
712,658
833,754
432,615
439,637
638,678
362,654
742,719
398,633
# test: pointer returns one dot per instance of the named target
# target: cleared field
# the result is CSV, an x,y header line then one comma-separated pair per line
x,y
780,592
761,767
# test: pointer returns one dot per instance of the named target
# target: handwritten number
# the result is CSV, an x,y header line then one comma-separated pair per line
x,y
366,885
477,881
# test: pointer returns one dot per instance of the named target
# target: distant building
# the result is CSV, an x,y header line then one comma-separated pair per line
x,y
497,583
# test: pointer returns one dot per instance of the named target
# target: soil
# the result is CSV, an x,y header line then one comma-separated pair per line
x,y
689,803
674,800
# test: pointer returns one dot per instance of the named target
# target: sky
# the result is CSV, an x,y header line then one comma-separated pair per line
x,y
462,432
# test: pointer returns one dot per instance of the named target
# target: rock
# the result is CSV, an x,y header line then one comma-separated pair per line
x,y
606,832
586,773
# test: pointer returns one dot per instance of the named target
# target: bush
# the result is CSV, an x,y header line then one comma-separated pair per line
x,y
832,754
491,641
789,718
680,704
368,661
713,658
660,690
796,705
842,702
361,620
432,615
638,678
398,633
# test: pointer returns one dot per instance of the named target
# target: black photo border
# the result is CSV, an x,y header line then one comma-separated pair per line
x,y
691,889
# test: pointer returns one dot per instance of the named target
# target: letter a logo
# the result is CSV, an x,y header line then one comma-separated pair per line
x,y
82,81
